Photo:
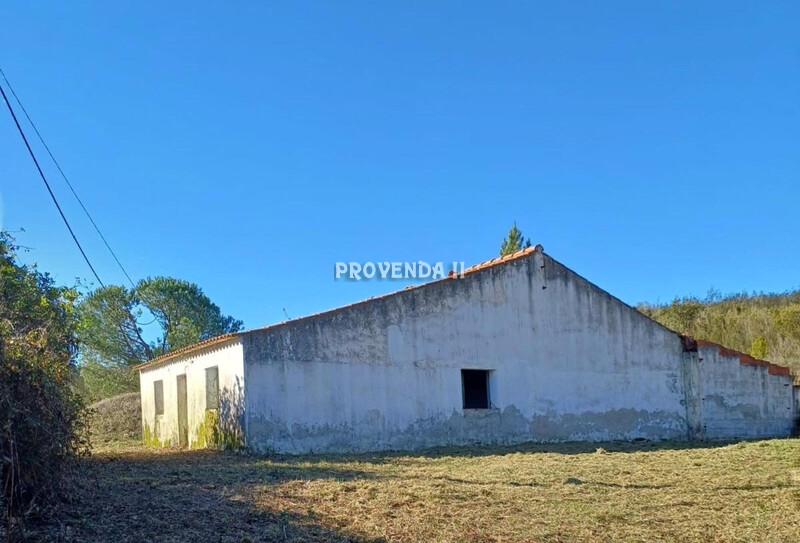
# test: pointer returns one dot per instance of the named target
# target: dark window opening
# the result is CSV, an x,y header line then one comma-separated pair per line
x,y
158,391
212,388
475,384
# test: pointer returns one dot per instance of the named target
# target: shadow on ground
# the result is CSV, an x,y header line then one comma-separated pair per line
x,y
171,495
569,448
185,496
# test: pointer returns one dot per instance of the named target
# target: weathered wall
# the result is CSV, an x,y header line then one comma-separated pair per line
x,y
740,397
568,361
225,423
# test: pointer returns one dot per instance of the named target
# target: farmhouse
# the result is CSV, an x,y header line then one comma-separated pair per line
x,y
519,349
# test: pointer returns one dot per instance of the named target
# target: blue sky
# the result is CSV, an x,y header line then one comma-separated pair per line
x,y
653,147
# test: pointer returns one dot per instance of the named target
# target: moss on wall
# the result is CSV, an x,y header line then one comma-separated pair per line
x,y
150,436
210,435
206,431
230,441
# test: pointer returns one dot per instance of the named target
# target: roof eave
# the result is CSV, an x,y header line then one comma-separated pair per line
x,y
163,359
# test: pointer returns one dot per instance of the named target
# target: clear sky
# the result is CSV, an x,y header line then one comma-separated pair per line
x,y
653,147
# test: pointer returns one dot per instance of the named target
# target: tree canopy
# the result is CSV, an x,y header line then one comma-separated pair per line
x,y
514,241
112,321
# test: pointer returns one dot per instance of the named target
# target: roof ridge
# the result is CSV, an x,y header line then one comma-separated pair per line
x,y
501,259
218,339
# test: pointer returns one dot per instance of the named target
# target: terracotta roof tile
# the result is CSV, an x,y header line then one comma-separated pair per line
x,y
502,259
744,358
689,343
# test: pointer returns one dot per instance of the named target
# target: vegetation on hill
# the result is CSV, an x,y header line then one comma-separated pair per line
x,y
766,326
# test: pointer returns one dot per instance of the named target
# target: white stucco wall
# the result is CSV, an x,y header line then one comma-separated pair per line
x,y
568,361
742,400
227,357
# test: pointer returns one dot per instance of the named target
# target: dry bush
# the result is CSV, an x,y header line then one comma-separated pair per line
x,y
116,419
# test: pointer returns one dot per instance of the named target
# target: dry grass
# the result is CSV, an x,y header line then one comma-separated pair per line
x,y
620,492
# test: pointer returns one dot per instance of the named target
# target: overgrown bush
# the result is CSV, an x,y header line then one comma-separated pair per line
x,y
42,417
104,380
767,326
117,419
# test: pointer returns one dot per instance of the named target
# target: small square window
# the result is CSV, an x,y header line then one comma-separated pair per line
x,y
212,388
475,388
158,391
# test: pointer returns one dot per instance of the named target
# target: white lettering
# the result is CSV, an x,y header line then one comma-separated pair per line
x,y
424,270
420,269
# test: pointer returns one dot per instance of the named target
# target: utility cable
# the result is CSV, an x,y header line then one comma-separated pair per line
x,y
63,217
47,184
64,176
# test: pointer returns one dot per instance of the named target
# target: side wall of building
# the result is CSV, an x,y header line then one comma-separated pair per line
x,y
740,399
206,427
567,361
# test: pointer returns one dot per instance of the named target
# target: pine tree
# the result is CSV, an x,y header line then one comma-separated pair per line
x,y
514,241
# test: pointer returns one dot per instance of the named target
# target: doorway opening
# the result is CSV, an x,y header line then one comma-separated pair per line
x,y
183,414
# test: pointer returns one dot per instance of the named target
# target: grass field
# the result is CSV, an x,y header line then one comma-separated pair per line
x,y
572,492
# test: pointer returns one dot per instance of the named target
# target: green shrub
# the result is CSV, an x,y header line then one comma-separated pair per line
x,y
42,417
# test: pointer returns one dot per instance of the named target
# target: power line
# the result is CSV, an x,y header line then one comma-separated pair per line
x,y
46,184
64,176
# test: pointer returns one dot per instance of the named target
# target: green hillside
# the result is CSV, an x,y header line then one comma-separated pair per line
x,y
767,326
